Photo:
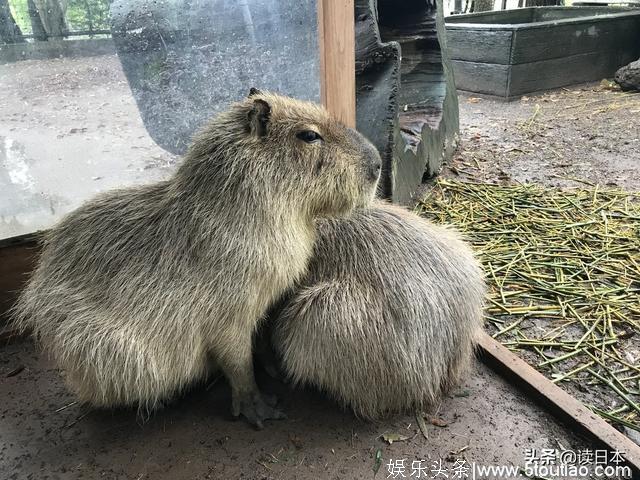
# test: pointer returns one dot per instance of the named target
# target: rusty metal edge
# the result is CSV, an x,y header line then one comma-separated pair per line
x,y
562,404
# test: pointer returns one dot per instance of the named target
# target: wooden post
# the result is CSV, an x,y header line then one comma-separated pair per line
x,y
336,36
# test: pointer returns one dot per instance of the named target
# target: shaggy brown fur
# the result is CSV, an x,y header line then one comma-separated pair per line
x,y
139,288
386,319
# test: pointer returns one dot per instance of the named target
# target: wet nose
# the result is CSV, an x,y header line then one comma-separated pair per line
x,y
374,169
371,157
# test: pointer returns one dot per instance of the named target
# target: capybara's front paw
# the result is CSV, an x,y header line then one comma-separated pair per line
x,y
256,408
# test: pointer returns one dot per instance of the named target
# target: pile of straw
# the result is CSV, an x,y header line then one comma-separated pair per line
x,y
563,269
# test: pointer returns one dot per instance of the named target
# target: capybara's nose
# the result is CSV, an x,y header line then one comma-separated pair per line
x,y
374,169
371,158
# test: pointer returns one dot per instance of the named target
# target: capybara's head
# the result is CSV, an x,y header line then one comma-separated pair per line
x,y
290,150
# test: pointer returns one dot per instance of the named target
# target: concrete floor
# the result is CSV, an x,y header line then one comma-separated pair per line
x,y
487,421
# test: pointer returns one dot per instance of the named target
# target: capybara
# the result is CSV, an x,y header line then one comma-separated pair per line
x,y
386,318
141,290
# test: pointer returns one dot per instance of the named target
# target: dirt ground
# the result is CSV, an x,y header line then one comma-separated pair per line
x,y
589,132
43,435
564,138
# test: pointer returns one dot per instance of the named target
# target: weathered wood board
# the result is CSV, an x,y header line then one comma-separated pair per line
x,y
486,78
558,72
487,46
514,52
17,258
564,40
405,95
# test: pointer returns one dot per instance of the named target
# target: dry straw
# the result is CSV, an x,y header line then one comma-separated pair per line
x,y
564,275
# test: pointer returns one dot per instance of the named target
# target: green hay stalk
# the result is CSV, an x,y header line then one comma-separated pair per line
x,y
563,268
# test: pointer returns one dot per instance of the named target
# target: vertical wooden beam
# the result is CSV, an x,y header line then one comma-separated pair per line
x,y
336,35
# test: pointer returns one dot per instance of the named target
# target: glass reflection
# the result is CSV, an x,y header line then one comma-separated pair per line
x,y
97,97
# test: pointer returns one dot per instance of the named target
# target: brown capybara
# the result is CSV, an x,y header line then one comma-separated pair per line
x,y
386,318
139,291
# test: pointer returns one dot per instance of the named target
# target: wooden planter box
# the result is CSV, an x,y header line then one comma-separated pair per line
x,y
514,52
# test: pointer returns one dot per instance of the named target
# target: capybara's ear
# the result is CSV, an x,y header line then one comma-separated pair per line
x,y
253,91
259,117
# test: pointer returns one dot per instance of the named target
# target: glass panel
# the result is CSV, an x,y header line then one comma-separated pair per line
x,y
95,97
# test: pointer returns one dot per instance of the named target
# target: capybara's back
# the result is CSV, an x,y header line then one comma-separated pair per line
x,y
386,318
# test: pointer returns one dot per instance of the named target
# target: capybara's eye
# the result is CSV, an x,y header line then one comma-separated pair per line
x,y
309,136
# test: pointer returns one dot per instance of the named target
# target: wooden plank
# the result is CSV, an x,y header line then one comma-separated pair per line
x,y
559,13
336,35
487,78
559,72
583,3
16,262
564,40
498,18
484,46
560,402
